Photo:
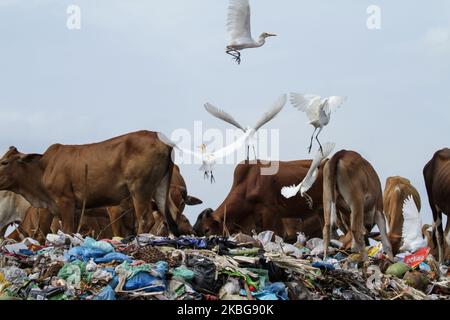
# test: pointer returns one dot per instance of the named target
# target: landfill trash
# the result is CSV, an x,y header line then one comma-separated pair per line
x,y
240,267
398,269
417,258
416,279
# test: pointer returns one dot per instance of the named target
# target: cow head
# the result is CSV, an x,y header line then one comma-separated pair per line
x,y
16,168
207,224
181,198
184,225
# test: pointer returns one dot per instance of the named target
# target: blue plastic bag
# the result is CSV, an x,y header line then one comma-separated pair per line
x,y
106,294
113,256
84,254
98,245
323,265
272,292
145,280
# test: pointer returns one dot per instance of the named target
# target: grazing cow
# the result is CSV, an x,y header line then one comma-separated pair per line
x,y
13,208
352,187
160,228
437,182
255,201
95,224
123,223
101,174
396,191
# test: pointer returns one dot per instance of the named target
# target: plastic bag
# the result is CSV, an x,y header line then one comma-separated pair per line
x,y
183,273
145,281
100,245
113,256
106,294
84,253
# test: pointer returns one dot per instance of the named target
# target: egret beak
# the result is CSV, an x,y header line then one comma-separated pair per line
x,y
271,35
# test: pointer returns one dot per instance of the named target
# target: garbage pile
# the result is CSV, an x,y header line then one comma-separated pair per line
x,y
241,267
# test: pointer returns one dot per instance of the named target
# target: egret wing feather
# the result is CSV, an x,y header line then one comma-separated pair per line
x,y
289,192
198,155
310,177
308,103
412,222
272,113
232,147
238,21
222,115
333,102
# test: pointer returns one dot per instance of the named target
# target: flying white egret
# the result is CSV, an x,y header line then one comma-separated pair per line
x,y
317,109
239,29
412,227
209,159
310,178
272,113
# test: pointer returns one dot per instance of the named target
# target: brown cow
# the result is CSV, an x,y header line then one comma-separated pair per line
x,y
95,224
255,200
122,217
136,164
352,187
396,191
437,181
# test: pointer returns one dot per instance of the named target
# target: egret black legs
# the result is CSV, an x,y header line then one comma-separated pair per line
x,y
235,54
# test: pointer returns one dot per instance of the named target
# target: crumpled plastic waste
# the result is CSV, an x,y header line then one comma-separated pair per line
x,y
263,267
183,273
265,238
107,293
274,291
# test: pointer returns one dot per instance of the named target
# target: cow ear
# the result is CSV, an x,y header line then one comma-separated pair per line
x,y
193,201
28,158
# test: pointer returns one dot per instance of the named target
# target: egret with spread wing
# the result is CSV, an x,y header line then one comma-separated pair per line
x,y
268,116
310,178
412,227
239,29
317,109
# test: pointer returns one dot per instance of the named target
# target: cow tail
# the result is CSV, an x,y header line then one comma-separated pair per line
x,y
333,163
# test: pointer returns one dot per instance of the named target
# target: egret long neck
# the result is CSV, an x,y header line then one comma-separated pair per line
x,y
261,41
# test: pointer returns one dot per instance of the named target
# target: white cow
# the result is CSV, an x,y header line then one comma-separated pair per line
x,y
12,209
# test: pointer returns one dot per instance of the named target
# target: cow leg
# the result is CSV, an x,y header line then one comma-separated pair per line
x,y
144,217
66,209
114,215
45,220
439,233
381,223
328,206
312,137
357,227
165,204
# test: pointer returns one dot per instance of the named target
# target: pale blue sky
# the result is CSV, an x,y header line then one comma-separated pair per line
x,y
146,64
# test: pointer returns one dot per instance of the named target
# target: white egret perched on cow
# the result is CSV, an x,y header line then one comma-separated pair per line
x,y
239,28
317,109
310,178
272,113
209,159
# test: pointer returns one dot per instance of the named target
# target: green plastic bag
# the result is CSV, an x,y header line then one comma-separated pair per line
x,y
183,273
